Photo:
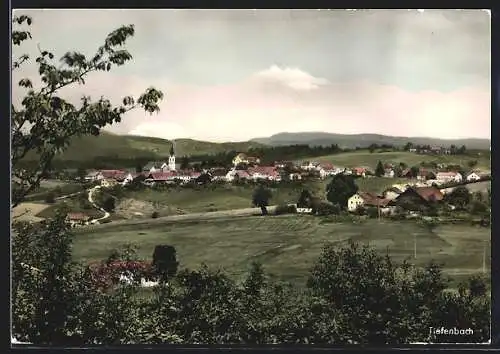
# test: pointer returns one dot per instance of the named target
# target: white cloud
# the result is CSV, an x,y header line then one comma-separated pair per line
x,y
291,77
289,99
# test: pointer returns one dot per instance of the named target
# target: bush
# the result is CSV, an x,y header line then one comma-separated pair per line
x,y
325,208
50,198
285,209
154,215
372,212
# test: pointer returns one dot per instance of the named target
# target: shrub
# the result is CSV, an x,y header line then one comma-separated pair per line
x,y
50,198
325,208
285,209
154,215
372,212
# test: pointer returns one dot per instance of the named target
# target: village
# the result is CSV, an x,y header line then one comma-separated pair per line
x,y
427,184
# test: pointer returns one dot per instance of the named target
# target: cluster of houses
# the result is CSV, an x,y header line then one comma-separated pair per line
x,y
397,195
248,168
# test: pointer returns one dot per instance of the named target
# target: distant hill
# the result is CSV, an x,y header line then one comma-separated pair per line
x,y
130,146
364,140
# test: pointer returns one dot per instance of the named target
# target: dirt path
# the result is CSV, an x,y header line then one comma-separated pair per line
x,y
91,200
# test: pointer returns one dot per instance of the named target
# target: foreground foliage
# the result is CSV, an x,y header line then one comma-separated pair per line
x,y
353,296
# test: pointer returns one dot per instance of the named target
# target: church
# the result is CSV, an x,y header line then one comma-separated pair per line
x,y
161,166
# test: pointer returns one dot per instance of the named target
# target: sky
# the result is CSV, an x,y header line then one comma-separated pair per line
x,y
234,75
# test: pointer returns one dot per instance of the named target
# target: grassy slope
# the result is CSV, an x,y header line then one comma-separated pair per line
x,y
88,147
222,197
288,245
365,158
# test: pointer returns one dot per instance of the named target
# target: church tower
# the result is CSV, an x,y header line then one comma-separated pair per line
x,y
171,158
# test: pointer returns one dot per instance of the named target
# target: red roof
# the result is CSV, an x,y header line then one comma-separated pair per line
x,y
265,170
162,176
242,174
446,174
359,169
113,173
429,193
78,216
372,199
327,166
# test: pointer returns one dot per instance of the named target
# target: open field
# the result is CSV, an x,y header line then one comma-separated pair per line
x,y
212,198
289,245
29,211
228,197
58,188
365,158
73,206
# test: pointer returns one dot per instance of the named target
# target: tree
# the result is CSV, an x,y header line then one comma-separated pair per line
x,y
261,197
50,198
372,148
379,170
165,262
45,122
408,146
304,199
414,171
108,204
340,189
462,150
184,163
472,163
459,197
81,173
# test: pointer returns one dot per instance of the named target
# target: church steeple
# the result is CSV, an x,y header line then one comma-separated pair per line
x,y
171,158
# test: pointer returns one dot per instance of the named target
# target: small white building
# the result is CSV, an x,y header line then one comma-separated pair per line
x,y
473,177
447,177
94,176
389,173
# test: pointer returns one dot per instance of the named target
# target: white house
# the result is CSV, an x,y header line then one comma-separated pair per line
x,y
354,202
326,170
94,176
295,176
309,165
389,173
472,177
446,177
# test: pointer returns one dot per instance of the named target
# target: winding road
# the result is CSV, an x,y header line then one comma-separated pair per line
x,y
91,200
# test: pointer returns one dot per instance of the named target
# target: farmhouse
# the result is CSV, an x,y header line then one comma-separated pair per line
x,y
77,219
94,176
391,193
243,158
309,165
366,199
446,177
155,166
117,175
359,171
389,173
417,198
424,175
161,177
326,170
264,172
237,174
